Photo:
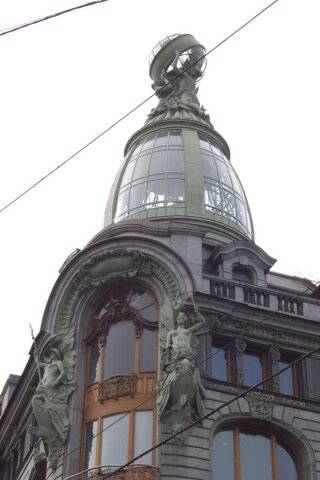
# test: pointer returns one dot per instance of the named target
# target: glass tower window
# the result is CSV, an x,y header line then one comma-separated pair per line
x,y
223,193
154,176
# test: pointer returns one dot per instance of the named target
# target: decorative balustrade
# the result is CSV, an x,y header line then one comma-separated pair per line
x,y
256,296
290,305
221,288
134,472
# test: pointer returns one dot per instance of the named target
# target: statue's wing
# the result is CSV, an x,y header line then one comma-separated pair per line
x,y
164,390
167,322
60,422
66,347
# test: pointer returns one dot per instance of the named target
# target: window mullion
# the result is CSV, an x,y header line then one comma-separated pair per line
x,y
137,354
132,418
99,441
236,447
154,435
102,341
275,470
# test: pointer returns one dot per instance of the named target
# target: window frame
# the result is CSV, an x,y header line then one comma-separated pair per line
x,y
97,338
275,438
265,361
297,374
235,364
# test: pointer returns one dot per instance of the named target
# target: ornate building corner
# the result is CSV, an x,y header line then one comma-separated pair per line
x,y
180,392
50,402
260,405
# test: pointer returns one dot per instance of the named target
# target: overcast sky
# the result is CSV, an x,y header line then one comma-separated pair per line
x,y
65,80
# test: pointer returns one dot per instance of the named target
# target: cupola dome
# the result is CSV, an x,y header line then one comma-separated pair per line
x,y
177,167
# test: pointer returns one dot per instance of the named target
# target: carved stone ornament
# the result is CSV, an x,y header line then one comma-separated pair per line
x,y
144,472
274,353
240,344
231,325
50,402
180,391
117,386
260,405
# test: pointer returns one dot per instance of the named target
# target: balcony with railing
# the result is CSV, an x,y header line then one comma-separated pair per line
x,y
263,297
133,472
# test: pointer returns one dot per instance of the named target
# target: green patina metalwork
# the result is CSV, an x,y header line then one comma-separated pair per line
x,y
50,402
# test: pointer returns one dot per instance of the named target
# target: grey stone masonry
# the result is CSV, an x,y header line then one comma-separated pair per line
x,y
194,459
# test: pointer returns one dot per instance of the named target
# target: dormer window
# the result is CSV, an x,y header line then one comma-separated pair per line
x,y
242,273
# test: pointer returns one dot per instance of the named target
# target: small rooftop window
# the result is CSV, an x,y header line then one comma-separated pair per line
x,y
241,273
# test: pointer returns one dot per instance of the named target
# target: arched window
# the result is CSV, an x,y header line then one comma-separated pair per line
x,y
242,454
121,375
242,273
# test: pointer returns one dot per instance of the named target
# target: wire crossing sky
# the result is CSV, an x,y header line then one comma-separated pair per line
x,y
68,159
49,17
61,80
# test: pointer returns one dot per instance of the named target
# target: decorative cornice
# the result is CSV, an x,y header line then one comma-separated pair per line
x,y
246,248
229,324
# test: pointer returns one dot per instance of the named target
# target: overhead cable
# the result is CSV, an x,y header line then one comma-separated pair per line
x,y
84,147
49,17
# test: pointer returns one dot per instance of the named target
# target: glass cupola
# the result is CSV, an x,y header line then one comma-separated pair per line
x,y
177,167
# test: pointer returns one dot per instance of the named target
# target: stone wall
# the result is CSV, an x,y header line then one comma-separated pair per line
x,y
192,460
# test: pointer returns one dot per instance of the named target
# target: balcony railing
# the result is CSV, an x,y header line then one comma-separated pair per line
x,y
256,296
290,305
221,288
134,472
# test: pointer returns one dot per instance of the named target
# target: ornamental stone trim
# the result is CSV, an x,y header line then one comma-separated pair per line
x,y
117,386
232,325
260,405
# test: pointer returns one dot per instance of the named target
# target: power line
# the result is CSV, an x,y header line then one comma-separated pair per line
x,y
49,17
212,412
68,159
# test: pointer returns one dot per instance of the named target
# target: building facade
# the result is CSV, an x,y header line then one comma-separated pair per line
x,y
167,314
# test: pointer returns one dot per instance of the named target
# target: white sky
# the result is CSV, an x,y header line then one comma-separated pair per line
x,y
65,80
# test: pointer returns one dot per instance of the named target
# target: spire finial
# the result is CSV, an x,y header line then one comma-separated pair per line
x,y
177,63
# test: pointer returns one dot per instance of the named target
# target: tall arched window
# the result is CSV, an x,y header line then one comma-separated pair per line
x,y
242,454
121,375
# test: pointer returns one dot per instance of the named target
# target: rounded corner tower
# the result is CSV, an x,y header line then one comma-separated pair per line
x,y
177,166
